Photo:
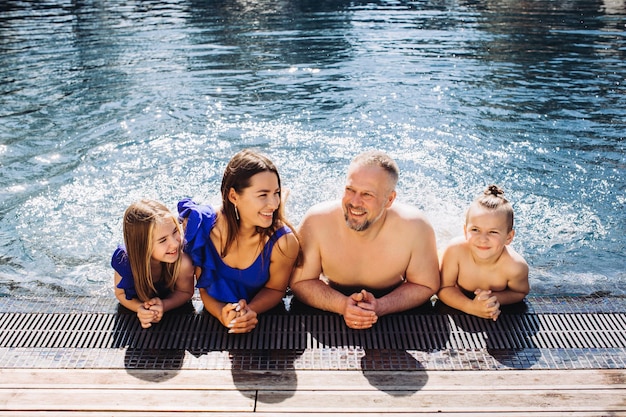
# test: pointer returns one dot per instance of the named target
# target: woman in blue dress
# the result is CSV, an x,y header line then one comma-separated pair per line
x,y
245,251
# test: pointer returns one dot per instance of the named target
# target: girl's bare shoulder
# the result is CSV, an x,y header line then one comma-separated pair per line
x,y
186,265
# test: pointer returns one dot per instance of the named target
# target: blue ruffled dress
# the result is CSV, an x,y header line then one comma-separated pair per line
x,y
121,265
222,282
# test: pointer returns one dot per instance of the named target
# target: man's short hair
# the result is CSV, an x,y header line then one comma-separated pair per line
x,y
379,159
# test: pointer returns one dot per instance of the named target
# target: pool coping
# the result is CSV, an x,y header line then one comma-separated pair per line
x,y
464,355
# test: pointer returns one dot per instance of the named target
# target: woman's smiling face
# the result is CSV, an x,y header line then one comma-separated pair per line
x,y
258,202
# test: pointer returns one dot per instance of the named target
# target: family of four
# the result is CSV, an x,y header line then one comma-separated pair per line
x,y
363,257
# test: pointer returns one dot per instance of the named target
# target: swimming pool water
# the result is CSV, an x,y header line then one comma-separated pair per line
x,y
105,103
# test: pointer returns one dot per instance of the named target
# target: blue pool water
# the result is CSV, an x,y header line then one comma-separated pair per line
x,y
102,103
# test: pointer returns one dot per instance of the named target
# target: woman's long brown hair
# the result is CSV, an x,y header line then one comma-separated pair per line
x,y
241,168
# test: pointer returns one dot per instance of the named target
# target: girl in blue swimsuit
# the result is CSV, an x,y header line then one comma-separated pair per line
x,y
152,274
245,251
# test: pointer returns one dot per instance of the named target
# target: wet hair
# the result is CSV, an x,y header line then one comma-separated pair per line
x,y
139,220
493,199
237,175
379,159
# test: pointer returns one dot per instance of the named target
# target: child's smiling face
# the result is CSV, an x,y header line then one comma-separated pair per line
x,y
166,241
487,232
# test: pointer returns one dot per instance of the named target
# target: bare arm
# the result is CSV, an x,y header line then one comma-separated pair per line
x,y
132,305
305,280
284,256
450,293
422,274
318,294
518,286
145,316
405,297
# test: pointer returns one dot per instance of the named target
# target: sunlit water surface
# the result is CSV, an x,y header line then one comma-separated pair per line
x,y
102,103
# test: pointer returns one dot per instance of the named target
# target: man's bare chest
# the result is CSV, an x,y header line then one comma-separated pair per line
x,y
355,264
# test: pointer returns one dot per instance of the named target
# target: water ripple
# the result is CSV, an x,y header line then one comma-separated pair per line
x,y
101,104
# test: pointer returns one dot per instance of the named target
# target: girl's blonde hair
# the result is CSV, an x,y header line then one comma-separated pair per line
x,y
139,220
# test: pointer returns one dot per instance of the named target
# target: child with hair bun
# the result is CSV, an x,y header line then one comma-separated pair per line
x,y
480,272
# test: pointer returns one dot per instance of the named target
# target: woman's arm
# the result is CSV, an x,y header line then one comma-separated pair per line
x,y
284,255
224,312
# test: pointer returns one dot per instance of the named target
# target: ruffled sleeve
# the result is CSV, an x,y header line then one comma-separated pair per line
x,y
119,262
200,222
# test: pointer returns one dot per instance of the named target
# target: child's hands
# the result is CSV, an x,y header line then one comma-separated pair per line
x,y
145,316
487,305
244,321
156,306
150,312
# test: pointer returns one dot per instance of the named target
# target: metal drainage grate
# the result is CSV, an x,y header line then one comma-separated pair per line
x,y
406,332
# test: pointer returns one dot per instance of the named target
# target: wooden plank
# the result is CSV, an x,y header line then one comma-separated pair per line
x,y
255,414
87,392
313,379
491,401
114,400
271,402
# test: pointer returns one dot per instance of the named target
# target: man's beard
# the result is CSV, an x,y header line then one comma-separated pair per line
x,y
362,226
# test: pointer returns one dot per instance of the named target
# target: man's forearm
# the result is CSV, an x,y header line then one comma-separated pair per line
x,y
317,294
404,297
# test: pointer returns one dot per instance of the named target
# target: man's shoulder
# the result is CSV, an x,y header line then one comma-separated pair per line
x,y
319,217
408,213
323,209
409,226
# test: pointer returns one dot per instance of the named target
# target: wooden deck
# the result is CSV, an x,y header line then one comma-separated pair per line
x,y
563,357
114,392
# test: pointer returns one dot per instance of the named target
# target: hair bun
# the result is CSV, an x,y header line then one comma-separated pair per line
x,y
494,190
